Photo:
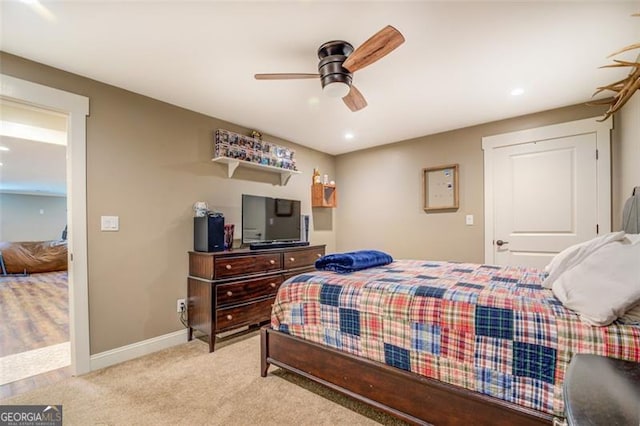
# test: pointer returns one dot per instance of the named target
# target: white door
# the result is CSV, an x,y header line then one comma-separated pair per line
x,y
544,192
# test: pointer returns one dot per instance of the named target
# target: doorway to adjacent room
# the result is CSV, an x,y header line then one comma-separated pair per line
x,y
64,303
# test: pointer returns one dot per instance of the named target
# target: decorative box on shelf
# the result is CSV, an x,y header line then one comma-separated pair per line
x,y
236,150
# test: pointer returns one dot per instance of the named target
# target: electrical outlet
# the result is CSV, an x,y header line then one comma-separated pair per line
x,y
181,305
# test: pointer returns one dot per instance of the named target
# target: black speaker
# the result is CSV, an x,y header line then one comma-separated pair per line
x,y
208,233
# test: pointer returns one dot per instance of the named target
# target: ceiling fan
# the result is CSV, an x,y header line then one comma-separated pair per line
x,y
338,62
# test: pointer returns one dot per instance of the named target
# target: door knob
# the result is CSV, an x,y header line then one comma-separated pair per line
x,y
500,243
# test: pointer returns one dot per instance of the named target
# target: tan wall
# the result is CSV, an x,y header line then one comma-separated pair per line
x,y
626,155
148,162
32,217
380,191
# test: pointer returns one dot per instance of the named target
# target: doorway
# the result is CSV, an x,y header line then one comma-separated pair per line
x,y
34,292
545,189
76,108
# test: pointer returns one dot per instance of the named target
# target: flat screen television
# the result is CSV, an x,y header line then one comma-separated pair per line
x,y
266,219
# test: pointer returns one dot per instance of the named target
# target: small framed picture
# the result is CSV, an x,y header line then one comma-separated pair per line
x,y
440,187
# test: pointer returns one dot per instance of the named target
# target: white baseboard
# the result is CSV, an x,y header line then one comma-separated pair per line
x,y
138,349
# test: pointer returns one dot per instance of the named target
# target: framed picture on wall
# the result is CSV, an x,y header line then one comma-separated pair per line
x,y
440,187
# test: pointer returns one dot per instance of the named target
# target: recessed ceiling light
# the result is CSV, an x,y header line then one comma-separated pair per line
x,y
4,148
348,135
517,91
0,164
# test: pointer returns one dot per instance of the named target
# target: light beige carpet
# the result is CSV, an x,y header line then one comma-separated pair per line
x,y
187,385
30,363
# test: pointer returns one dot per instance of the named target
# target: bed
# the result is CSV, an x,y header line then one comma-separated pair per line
x,y
438,342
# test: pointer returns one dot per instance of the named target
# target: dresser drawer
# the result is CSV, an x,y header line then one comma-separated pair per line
x,y
226,267
252,313
300,258
244,291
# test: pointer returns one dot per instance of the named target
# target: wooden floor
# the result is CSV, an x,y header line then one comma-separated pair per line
x,y
34,313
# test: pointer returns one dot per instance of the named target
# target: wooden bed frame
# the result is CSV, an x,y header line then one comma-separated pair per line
x,y
408,396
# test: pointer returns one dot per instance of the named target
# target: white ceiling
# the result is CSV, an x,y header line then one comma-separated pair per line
x,y
457,68
33,168
32,150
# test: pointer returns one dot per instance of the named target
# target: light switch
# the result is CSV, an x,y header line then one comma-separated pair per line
x,y
109,223
469,219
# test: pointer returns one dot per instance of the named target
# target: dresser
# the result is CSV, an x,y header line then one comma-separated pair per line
x,y
232,289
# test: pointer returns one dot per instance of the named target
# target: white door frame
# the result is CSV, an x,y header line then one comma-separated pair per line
x,y
578,127
77,108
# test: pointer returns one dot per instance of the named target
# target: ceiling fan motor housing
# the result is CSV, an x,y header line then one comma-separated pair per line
x,y
332,54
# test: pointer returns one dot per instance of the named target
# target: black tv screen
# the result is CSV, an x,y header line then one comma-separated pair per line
x,y
266,219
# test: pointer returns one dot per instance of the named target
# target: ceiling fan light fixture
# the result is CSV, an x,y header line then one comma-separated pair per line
x,y
336,89
338,62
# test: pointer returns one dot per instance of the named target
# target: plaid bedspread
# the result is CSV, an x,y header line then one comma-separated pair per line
x,y
489,329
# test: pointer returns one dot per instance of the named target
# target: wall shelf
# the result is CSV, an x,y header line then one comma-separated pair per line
x,y
233,164
324,195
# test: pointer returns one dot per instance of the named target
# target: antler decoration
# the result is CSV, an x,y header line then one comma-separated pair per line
x,y
624,88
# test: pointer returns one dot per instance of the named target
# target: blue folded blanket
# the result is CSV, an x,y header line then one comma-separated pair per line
x,y
353,261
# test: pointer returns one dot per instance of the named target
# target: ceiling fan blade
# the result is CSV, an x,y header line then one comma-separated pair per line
x,y
379,45
354,100
285,76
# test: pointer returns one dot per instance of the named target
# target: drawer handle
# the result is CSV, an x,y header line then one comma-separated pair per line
x,y
273,285
292,259
273,262
229,317
229,293
228,267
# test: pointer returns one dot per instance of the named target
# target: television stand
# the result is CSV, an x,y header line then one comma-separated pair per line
x,y
231,289
277,244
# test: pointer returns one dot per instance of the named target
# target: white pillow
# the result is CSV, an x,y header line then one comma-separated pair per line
x,y
604,285
571,256
634,238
